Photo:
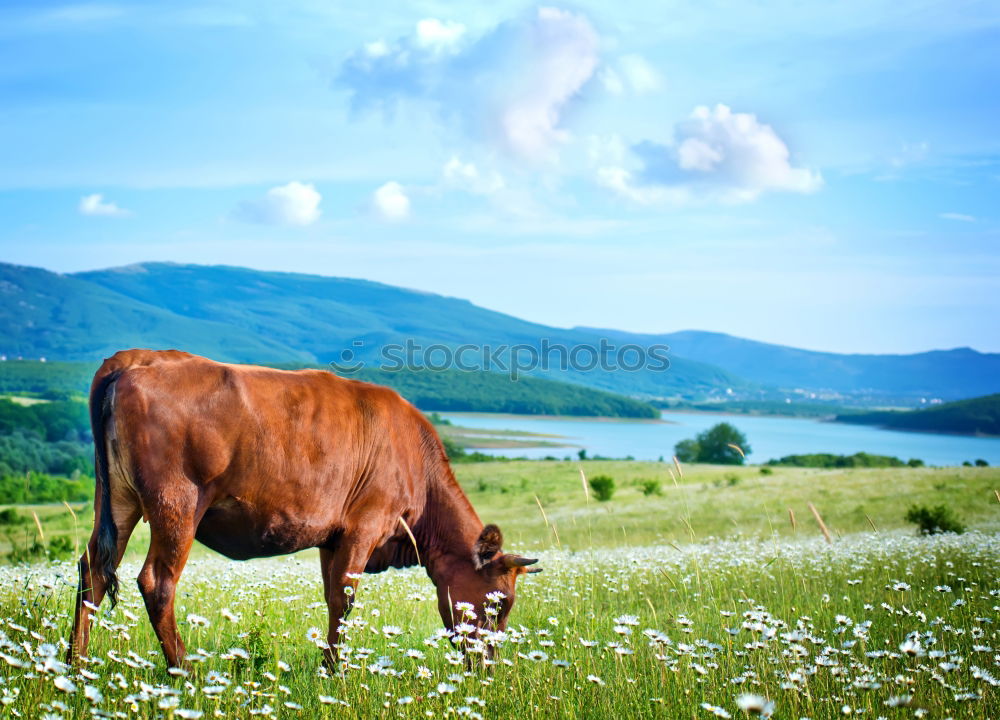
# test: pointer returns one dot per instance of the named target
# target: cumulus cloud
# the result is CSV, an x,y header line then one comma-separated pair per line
x,y
631,73
438,36
96,205
716,154
293,204
467,176
510,87
390,202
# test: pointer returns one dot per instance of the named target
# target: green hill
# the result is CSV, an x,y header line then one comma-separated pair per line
x,y
976,416
241,315
865,379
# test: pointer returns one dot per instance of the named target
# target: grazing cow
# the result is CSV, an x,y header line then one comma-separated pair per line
x,y
254,462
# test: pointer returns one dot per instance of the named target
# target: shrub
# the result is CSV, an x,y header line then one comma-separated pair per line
x,y
687,451
651,487
766,471
932,520
982,463
603,487
10,516
60,547
452,449
717,445
915,462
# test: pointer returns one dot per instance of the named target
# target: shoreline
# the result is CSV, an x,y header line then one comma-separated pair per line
x,y
575,418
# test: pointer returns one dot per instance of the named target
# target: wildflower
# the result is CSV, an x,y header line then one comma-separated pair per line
x,y
197,620
445,688
537,656
454,658
188,714
749,703
65,684
911,647
716,710
595,679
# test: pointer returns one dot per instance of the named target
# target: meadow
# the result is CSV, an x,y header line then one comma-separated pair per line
x,y
686,595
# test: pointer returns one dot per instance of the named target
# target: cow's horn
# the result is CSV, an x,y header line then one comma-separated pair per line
x,y
513,561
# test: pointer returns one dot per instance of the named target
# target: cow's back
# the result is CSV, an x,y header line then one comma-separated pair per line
x,y
281,460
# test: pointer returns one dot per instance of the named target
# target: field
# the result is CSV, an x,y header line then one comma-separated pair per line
x,y
700,600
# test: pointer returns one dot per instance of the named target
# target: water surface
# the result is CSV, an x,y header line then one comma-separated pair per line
x,y
768,437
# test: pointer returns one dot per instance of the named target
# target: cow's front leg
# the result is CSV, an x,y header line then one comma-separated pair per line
x,y
342,569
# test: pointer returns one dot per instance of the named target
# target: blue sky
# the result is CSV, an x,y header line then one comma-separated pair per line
x,y
825,177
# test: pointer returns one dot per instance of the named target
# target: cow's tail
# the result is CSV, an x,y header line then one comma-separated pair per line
x,y
105,558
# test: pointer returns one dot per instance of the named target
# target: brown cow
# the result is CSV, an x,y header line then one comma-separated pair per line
x,y
255,462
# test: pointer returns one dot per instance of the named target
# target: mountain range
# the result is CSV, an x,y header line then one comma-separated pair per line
x,y
243,315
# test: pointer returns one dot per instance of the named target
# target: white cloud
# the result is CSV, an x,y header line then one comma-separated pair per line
x,y
468,177
716,155
96,205
292,204
566,56
509,87
376,49
640,76
437,35
625,183
612,81
960,217
390,202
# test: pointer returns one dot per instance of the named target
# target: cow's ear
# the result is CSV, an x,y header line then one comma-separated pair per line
x,y
487,546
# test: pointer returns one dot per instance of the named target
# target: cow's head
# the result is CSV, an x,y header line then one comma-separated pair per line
x,y
480,591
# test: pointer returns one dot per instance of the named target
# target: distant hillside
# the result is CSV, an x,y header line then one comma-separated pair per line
x,y
461,391
978,416
451,390
242,315
945,374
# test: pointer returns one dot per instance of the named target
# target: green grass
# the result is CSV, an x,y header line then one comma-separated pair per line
x,y
734,600
704,497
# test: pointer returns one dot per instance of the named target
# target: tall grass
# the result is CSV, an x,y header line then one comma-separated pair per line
x,y
679,623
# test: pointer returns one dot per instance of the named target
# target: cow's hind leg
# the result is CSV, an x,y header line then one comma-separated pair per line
x,y
171,529
93,585
342,569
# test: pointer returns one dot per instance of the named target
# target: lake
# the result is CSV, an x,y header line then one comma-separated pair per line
x,y
769,437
